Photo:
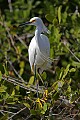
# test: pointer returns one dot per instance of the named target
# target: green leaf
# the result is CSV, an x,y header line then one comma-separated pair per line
x,y
2,89
45,107
76,64
60,74
33,112
44,75
22,64
66,71
0,76
13,93
69,89
59,13
6,72
42,111
27,105
17,87
69,82
55,96
64,17
18,50
11,103
49,17
31,80
72,70
21,71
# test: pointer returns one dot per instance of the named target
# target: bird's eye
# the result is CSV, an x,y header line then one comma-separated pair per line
x,y
32,21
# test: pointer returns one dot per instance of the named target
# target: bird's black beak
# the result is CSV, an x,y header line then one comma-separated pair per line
x,y
23,24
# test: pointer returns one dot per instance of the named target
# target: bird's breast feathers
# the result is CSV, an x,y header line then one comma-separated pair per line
x,y
42,51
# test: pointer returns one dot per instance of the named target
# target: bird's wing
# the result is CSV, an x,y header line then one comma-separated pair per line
x,y
45,45
42,51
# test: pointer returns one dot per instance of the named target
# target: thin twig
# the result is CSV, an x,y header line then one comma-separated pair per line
x,y
74,115
10,36
77,100
4,111
21,41
22,85
73,54
28,117
16,113
64,41
14,68
10,6
15,71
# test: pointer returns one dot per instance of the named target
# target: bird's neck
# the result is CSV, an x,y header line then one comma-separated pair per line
x,y
38,31
37,35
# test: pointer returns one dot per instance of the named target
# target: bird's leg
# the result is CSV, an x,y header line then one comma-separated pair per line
x,y
35,73
40,77
35,79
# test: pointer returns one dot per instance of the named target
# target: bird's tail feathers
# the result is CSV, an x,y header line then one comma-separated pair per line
x,y
49,65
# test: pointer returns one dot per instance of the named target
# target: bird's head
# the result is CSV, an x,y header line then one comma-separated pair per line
x,y
36,21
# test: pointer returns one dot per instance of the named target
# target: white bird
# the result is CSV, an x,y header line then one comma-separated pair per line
x,y
39,48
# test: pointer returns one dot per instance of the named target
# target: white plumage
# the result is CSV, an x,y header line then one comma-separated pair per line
x,y
39,45
42,52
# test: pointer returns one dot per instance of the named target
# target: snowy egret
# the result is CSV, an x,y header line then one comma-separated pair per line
x,y
39,48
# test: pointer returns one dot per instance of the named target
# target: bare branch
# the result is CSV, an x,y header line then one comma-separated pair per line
x,y
4,111
16,113
64,41
22,84
10,6
21,41
73,54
